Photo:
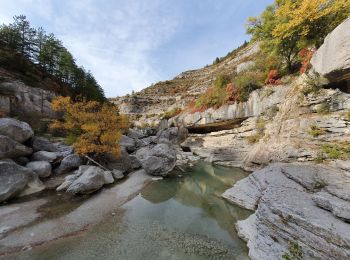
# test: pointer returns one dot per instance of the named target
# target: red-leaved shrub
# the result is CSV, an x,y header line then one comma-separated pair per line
x,y
273,78
305,55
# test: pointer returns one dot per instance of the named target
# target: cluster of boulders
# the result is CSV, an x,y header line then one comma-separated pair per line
x,y
27,161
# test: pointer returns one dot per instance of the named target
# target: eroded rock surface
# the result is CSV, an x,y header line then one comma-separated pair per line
x,y
295,203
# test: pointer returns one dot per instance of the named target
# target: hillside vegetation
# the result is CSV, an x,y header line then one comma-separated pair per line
x,y
40,60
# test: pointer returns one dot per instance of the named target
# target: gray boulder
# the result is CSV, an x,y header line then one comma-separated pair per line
x,y
15,129
108,177
332,59
69,163
12,149
135,134
117,175
91,179
135,163
122,163
42,144
13,179
22,160
41,168
158,161
44,156
128,143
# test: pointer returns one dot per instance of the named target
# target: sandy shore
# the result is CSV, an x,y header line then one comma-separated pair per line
x,y
23,226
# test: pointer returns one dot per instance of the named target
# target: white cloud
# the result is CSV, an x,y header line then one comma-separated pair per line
x,y
113,39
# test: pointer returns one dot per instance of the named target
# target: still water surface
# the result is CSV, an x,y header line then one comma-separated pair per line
x,y
181,217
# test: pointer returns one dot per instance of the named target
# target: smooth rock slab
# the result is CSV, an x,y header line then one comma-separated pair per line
x,y
15,129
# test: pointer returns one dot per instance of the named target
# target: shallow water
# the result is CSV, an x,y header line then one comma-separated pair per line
x,y
175,218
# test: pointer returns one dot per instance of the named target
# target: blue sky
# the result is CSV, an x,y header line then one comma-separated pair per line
x,y
129,44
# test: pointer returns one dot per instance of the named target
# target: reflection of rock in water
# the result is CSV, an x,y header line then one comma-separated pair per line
x,y
160,191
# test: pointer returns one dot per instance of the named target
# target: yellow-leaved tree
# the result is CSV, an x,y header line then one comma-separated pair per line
x,y
93,128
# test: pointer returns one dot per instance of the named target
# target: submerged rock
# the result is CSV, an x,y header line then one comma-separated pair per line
x,y
15,129
11,149
159,160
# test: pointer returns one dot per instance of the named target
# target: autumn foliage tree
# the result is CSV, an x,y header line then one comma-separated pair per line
x,y
93,128
287,26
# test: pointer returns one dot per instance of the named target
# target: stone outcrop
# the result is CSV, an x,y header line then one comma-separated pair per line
x,y
17,130
332,59
298,204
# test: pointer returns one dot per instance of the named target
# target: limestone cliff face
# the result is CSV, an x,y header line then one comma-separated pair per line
x,y
148,104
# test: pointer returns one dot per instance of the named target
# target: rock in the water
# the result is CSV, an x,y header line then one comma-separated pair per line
x,y
122,163
15,129
291,210
42,144
332,59
44,156
13,179
128,143
12,149
41,168
159,160
69,163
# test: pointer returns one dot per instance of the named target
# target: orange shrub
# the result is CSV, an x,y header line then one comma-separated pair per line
x,y
273,78
305,55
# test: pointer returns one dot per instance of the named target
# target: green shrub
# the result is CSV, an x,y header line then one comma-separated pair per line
x,y
336,151
247,82
252,139
323,109
313,84
295,252
316,131
171,113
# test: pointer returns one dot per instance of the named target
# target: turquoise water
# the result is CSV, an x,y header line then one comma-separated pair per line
x,y
181,217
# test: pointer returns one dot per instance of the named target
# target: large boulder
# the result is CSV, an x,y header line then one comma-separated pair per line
x,y
69,163
128,143
122,163
11,149
332,59
15,129
159,160
13,179
42,144
87,180
41,168
135,134
44,156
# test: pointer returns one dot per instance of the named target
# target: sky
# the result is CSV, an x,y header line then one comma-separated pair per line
x,y
130,44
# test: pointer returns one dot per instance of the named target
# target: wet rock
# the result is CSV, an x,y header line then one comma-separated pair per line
x,y
69,163
128,143
44,156
13,179
12,149
42,144
159,160
41,168
17,130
